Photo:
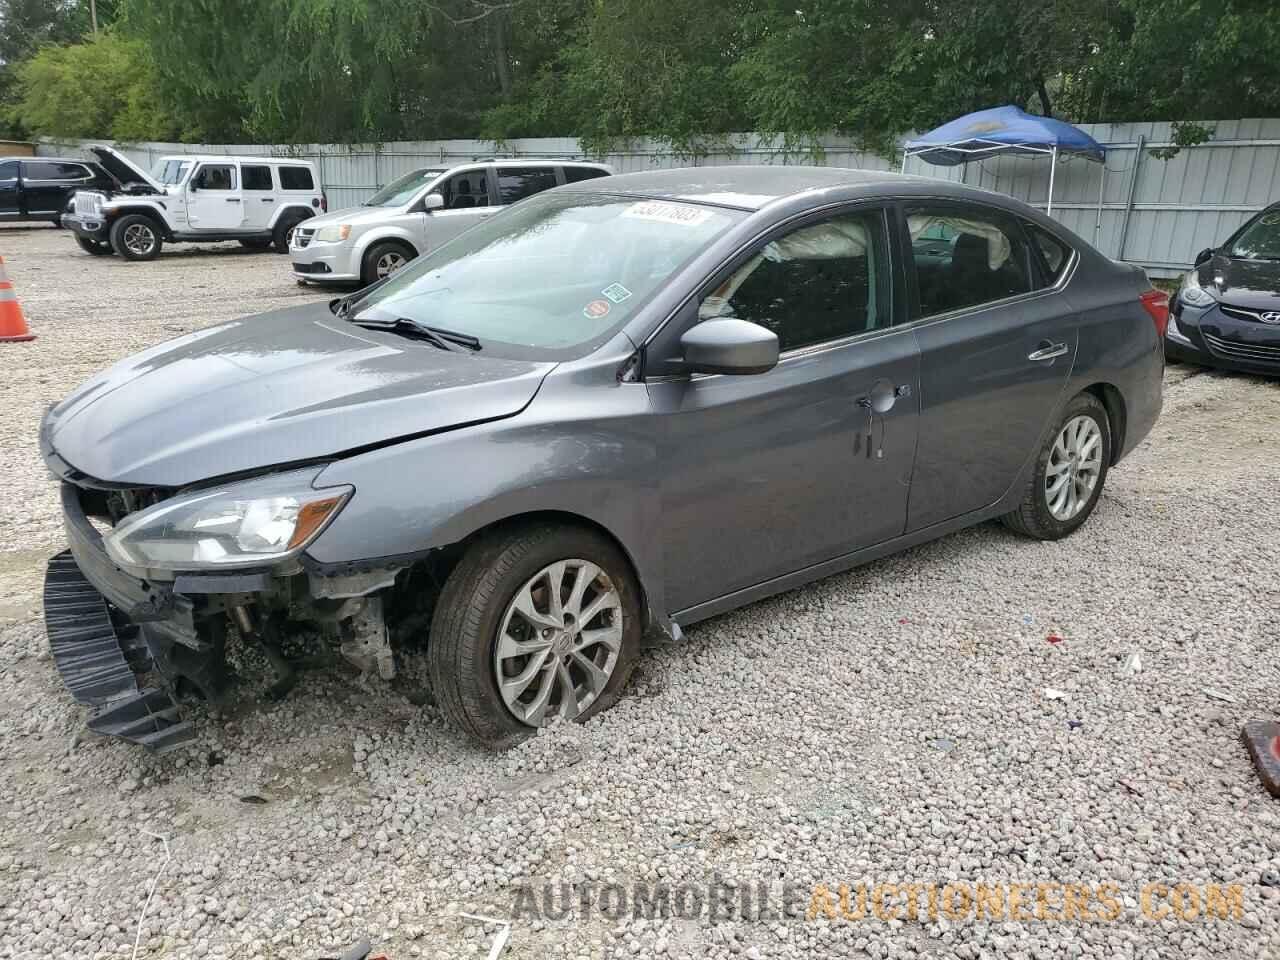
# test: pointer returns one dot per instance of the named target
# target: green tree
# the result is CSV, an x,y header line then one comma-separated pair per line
x,y
101,88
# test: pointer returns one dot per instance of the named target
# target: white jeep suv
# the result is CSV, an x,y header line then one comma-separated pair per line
x,y
256,200
418,212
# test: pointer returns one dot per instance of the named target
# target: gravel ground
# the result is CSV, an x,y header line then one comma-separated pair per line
x,y
906,723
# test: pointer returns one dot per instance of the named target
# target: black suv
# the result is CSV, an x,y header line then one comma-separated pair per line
x,y
40,188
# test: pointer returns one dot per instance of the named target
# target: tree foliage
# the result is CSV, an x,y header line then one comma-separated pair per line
x,y
102,87
684,71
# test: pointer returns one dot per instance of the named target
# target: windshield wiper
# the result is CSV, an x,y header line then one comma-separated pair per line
x,y
436,336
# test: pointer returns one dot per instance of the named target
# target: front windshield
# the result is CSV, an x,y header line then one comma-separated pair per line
x,y
399,192
170,171
552,272
1260,240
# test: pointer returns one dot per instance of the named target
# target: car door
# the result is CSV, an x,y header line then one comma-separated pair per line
x,y
468,199
996,348
259,195
214,198
46,184
771,473
10,196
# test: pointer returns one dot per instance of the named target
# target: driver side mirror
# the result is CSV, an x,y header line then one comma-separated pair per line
x,y
432,201
1203,255
729,346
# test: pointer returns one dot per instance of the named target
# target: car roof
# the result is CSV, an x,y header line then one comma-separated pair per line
x,y
752,187
528,162
203,157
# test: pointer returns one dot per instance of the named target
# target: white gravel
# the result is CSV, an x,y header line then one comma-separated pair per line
x,y
891,725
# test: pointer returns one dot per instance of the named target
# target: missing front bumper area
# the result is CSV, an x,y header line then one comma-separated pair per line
x,y
101,665
132,651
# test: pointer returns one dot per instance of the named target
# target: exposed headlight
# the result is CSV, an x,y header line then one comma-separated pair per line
x,y
251,523
1193,293
334,234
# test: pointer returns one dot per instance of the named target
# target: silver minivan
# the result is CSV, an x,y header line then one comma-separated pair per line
x,y
418,212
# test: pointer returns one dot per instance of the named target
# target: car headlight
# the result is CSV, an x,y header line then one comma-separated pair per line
x,y
251,523
333,234
1193,293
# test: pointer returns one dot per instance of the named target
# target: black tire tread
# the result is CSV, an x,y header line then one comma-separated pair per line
x,y
117,228
1031,518
367,265
470,592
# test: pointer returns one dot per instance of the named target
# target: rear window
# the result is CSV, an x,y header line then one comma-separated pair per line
x,y
256,177
296,178
516,183
578,174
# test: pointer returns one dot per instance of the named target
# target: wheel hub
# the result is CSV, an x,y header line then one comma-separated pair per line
x,y
559,642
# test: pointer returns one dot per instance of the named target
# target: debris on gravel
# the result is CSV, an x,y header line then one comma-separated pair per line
x,y
789,778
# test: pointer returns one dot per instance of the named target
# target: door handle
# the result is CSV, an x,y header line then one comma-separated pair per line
x,y
1048,351
268,199
233,199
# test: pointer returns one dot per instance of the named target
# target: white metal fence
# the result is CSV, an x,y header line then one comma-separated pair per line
x,y
1152,212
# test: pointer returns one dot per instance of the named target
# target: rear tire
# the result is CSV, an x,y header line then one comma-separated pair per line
x,y
383,259
1069,473
478,608
97,248
136,237
283,232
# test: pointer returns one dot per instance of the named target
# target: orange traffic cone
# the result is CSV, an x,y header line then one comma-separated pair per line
x,y
13,325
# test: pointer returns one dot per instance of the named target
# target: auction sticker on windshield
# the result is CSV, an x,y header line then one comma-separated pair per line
x,y
685,216
616,292
596,309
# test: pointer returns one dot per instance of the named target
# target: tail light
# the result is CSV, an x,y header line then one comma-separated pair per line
x,y
324,202
1156,303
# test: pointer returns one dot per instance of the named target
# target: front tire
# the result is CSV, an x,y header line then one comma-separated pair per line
x,y
1069,473
97,248
536,622
383,259
136,237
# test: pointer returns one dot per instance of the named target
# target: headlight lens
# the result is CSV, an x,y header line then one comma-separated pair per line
x,y
245,524
1193,293
333,234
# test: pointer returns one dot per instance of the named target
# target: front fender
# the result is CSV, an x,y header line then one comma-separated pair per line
x,y
588,452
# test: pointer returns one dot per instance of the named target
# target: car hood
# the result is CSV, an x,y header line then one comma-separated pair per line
x,y
354,216
122,168
283,387
1243,283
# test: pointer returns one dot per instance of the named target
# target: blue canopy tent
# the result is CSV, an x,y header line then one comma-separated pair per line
x,y
1003,130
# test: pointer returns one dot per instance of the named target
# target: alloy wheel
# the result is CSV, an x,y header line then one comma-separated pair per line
x,y
389,263
1075,463
139,239
559,642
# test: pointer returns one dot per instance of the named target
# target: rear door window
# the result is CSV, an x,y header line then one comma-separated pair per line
x,y
965,256
256,176
516,183
296,178
9,171
53,170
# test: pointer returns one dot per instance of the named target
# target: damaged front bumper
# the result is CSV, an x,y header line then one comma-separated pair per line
x,y
128,648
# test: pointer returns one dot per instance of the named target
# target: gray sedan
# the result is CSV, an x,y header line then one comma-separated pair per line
x,y
613,410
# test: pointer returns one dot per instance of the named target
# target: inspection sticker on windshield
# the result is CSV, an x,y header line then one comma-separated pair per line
x,y
616,292
676,213
596,309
